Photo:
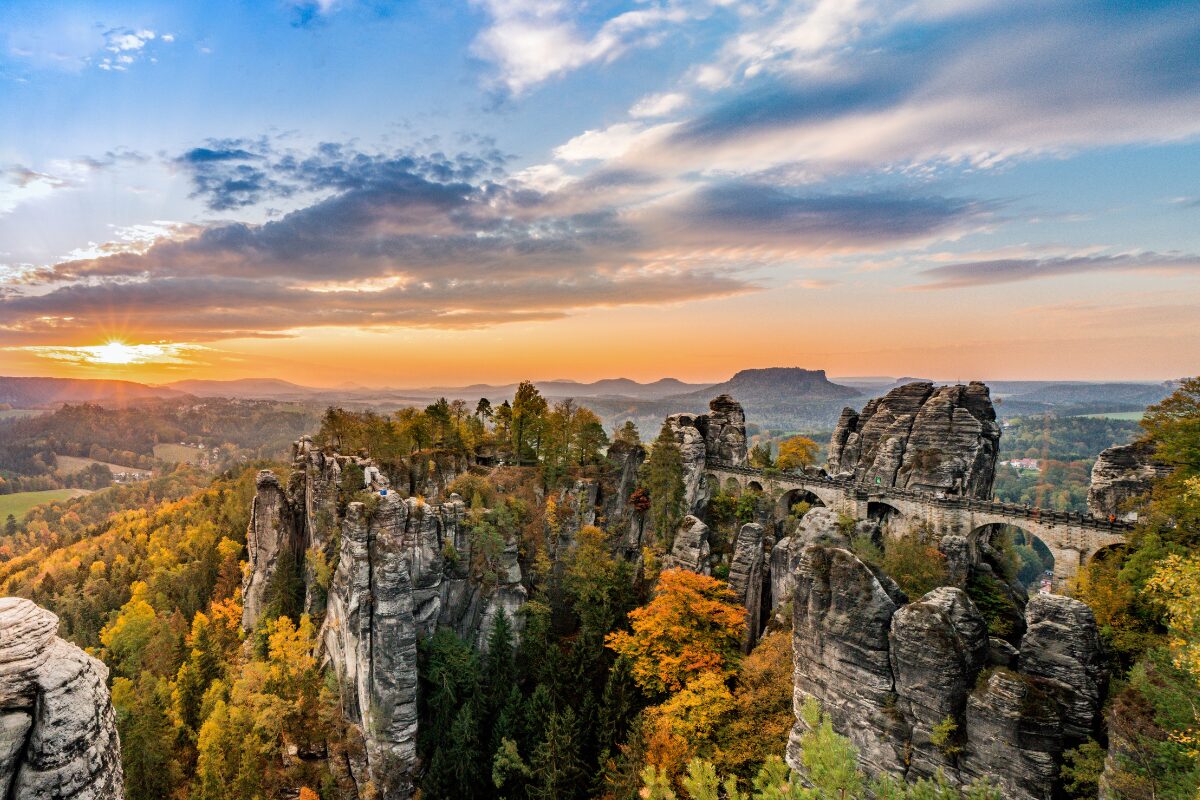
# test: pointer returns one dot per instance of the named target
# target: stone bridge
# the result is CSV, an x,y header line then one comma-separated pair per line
x,y
1073,539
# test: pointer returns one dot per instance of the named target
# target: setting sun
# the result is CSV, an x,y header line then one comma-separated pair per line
x,y
114,352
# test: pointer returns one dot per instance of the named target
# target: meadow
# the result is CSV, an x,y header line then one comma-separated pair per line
x,y
19,504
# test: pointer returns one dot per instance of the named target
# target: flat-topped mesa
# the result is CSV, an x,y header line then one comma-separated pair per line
x,y
1120,476
943,439
58,732
718,436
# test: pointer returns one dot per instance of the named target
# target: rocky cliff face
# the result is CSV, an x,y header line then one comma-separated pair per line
x,y
1121,475
614,505
889,672
719,435
58,734
748,576
273,535
397,568
920,437
691,549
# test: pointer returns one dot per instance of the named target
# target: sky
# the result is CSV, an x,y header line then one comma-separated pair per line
x,y
425,192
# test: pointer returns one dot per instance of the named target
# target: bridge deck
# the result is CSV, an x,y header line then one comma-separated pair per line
x,y
866,491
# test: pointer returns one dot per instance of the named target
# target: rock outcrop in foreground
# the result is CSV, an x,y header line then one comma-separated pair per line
x,y
917,687
1121,475
58,734
920,437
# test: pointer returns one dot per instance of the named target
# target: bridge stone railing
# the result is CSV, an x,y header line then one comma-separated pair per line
x,y
865,491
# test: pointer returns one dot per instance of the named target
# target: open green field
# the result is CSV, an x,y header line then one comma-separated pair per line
x,y
177,453
1129,416
15,413
69,465
18,504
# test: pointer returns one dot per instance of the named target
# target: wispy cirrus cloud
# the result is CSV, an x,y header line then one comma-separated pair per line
x,y
1010,270
834,87
20,183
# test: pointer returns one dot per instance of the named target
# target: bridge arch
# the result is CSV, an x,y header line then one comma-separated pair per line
x,y
799,494
884,514
1071,542
1035,557
754,486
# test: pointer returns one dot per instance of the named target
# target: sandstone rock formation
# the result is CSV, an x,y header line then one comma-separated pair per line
x,y
944,439
718,436
1121,475
58,734
272,536
818,526
747,569
889,672
1061,644
400,568
627,459
690,550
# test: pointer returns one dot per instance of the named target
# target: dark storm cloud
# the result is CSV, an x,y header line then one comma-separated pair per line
x,y
984,273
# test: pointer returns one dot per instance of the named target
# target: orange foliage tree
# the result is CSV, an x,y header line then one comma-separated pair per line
x,y
692,626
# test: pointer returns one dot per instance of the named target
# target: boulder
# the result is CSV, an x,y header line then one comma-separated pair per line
x,y
841,620
938,645
693,453
58,733
717,436
1014,736
724,429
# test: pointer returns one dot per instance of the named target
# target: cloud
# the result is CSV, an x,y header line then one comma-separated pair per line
x,y
125,46
20,184
837,87
229,174
531,41
103,355
743,213
659,105
400,239
1011,270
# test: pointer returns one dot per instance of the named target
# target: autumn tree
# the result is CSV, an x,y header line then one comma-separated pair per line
x,y
759,456
797,452
693,625
528,412
627,433
662,475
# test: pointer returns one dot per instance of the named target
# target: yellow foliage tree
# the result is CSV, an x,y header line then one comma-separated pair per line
x,y
684,727
692,626
797,452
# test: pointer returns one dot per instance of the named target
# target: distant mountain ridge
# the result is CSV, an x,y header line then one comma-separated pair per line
x,y
266,388
53,392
